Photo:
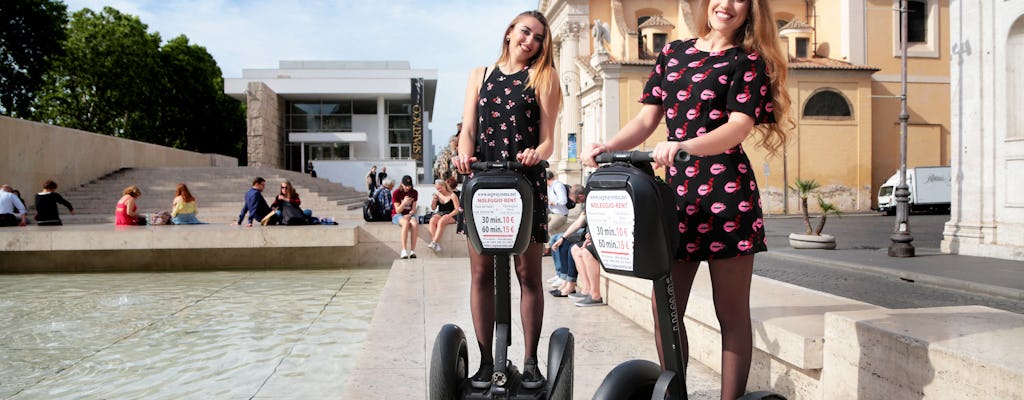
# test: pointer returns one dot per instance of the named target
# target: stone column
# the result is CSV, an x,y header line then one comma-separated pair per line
x,y
570,82
264,136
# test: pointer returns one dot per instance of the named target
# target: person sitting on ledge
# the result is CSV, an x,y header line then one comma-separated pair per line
x,y
125,213
255,204
184,209
46,205
11,208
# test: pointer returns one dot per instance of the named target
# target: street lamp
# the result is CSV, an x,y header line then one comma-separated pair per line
x,y
901,238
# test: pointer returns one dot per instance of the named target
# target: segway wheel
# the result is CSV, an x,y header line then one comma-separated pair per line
x,y
449,364
560,365
762,395
633,380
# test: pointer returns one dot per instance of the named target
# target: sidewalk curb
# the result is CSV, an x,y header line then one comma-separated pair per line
x,y
950,283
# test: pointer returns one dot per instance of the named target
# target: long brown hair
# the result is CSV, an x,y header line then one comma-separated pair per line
x,y
291,194
185,194
542,64
760,34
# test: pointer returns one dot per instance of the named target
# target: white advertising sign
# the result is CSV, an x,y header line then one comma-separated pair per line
x,y
497,214
610,218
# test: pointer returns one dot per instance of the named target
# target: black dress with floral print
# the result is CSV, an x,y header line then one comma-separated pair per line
x,y
718,202
509,122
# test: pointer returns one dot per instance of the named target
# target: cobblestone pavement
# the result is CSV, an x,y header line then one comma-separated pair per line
x,y
223,335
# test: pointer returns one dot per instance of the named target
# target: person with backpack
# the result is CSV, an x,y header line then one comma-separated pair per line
x,y
378,207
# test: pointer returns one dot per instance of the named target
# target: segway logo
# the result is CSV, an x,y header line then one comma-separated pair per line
x,y
497,213
611,219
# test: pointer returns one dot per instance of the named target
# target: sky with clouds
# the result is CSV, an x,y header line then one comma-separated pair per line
x,y
451,36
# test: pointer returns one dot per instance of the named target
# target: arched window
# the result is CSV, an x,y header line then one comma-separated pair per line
x,y
827,104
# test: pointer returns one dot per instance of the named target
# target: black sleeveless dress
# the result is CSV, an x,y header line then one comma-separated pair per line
x,y
508,122
717,196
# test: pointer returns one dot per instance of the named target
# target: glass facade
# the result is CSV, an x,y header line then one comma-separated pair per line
x,y
399,129
336,116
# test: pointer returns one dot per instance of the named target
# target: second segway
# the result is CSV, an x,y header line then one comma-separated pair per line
x,y
623,195
498,210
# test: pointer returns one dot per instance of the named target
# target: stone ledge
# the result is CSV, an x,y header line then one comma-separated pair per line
x,y
109,237
788,320
968,352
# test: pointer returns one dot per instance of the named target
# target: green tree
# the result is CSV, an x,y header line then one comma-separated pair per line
x,y
31,32
195,113
108,81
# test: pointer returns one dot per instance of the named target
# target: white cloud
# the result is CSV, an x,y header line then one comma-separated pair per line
x,y
452,36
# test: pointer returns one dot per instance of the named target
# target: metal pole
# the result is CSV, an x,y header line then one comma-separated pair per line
x,y
901,238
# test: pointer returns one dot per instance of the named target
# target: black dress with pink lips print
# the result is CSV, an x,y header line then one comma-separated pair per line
x,y
508,122
718,202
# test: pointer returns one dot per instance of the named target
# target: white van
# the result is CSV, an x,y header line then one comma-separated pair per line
x,y
930,189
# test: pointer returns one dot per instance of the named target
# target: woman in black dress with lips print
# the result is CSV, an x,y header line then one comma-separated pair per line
x,y
712,91
509,115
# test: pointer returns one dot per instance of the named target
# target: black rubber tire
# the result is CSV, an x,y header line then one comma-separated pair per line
x,y
633,380
561,349
449,364
762,395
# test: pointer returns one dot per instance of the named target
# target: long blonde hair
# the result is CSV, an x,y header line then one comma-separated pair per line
x,y
760,34
542,64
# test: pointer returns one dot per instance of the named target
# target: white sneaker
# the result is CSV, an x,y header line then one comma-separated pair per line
x,y
557,283
437,246
404,254
553,279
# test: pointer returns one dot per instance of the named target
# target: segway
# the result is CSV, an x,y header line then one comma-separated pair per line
x,y
627,209
498,209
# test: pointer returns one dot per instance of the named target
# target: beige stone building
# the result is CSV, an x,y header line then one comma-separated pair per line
x,y
844,80
987,213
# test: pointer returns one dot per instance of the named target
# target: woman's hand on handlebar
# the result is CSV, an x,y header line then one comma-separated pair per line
x,y
463,163
529,157
664,153
592,151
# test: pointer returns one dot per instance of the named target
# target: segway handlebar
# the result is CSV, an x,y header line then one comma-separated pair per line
x,y
515,165
634,156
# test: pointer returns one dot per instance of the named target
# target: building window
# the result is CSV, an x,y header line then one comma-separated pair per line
x,y
328,151
317,116
917,22
659,40
922,28
801,47
827,104
400,129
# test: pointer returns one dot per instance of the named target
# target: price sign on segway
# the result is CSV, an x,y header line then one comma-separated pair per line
x,y
497,214
611,220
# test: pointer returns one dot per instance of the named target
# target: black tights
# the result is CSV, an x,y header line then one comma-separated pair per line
x,y
531,305
730,283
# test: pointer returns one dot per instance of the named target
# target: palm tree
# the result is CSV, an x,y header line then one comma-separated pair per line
x,y
804,189
826,208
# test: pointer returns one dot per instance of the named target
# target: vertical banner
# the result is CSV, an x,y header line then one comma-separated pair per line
x,y
572,147
417,119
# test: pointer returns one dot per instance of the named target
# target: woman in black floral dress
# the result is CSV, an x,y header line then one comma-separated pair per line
x,y
712,91
509,115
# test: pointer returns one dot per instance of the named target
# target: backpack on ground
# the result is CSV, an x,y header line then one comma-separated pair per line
x,y
373,208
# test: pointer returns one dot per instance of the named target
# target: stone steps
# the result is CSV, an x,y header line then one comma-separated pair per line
x,y
219,190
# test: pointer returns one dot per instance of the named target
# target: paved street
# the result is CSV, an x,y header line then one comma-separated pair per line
x,y
869,234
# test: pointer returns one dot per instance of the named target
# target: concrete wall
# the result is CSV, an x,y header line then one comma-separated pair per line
x,y
32,152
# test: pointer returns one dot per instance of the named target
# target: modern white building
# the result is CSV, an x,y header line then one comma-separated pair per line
x,y
344,116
